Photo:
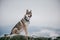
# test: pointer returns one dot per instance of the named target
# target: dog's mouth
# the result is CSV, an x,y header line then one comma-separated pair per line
x,y
30,16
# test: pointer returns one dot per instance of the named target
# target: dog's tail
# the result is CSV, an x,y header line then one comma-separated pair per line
x,y
6,35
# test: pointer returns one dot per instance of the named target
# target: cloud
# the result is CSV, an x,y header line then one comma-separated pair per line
x,y
45,33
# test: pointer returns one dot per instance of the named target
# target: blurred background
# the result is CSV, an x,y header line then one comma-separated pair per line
x,y
45,21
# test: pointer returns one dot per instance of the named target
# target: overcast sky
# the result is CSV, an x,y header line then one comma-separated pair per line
x,y
45,16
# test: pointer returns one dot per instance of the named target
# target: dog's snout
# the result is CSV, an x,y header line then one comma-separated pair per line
x,y
30,16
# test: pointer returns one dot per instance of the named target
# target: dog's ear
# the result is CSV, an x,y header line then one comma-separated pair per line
x,y
30,11
27,11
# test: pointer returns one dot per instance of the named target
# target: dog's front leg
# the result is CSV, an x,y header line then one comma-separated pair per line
x,y
26,32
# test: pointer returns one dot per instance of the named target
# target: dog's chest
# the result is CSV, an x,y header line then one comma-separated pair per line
x,y
27,23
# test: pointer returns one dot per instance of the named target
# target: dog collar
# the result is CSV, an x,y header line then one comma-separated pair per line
x,y
26,19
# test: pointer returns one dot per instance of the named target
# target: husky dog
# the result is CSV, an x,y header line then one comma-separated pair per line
x,y
22,24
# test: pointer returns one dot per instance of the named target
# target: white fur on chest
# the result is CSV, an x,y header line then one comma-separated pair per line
x,y
27,23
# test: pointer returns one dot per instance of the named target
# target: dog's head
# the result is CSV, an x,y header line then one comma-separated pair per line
x,y
28,14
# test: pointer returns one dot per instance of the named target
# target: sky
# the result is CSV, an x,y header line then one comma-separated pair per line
x,y
45,19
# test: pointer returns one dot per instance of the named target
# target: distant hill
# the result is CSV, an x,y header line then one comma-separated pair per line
x,y
21,37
